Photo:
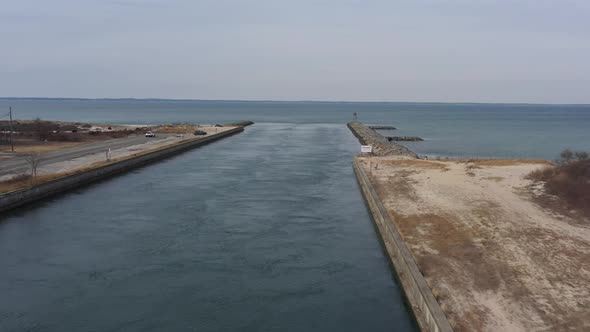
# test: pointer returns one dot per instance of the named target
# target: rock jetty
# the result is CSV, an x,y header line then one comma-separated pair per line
x,y
382,127
405,138
381,146
239,124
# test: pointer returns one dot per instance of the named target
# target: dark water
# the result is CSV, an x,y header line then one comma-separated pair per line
x,y
485,130
263,231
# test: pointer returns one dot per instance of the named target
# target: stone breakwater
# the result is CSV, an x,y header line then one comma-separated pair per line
x,y
382,127
405,138
239,124
381,146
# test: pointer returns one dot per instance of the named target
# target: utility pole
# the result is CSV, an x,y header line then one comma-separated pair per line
x,y
11,141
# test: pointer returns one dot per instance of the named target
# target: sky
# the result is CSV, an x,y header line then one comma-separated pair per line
x,y
512,51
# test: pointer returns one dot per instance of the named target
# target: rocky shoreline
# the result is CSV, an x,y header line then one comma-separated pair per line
x,y
404,138
382,127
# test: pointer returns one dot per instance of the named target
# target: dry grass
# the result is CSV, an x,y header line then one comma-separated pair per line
x,y
454,244
569,181
500,162
24,180
494,178
39,147
60,141
184,128
417,163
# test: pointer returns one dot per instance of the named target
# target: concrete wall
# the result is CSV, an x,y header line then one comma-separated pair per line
x,y
426,309
24,196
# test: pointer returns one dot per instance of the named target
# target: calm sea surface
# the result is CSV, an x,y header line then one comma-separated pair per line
x,y
488,130
262,231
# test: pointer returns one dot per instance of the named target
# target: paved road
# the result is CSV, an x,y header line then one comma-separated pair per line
x,y
18,164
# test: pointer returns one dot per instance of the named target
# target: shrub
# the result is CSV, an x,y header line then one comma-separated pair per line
x,y
569,180
64,137
42,129
118,134
19,178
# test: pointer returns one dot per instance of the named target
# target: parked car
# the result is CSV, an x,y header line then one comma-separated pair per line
x,y
150,134
200,133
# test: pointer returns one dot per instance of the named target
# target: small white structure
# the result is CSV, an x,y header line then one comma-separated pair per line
x,y
366,148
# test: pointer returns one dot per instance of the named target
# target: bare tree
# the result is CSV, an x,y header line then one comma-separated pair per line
x,y
42,128
33,160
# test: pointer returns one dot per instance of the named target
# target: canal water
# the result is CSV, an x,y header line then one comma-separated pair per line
x,y
262,231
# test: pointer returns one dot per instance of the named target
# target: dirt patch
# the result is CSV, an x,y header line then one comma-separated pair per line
x,y
418,163
494,178
500,162
30,146
400,180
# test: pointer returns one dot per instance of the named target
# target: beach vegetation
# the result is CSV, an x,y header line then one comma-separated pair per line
x,y
569,179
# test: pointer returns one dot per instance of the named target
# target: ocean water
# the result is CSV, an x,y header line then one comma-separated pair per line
x,y
479,130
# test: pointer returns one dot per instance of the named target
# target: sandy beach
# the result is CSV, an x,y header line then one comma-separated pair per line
x,y
494,258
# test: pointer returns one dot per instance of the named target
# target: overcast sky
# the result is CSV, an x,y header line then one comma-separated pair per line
x,y
407,50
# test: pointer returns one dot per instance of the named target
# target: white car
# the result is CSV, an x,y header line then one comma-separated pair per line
x,y
150,134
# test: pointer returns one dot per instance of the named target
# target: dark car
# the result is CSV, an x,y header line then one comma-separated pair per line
x,y
200,133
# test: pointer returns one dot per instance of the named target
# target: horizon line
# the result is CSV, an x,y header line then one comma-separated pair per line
x,y
294,101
